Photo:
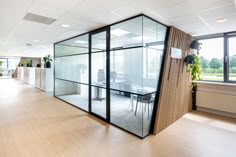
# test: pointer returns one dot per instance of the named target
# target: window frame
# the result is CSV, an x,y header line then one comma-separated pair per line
x,y
225,37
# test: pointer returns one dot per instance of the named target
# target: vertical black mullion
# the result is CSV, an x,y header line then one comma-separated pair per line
x,y
226,58
142,74
90,78
156,101
54,70
108,73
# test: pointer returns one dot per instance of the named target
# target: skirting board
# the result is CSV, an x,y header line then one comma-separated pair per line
x,y
223,113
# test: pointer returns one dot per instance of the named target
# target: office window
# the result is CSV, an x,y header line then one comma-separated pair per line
x,y
4,63
212,59
232,59
13,63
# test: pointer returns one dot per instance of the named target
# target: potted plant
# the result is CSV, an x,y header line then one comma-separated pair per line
x,y
38,65
194,65
47,61
29,63
23,63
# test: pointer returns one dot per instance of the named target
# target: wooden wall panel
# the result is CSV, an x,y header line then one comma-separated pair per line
x,y
175,95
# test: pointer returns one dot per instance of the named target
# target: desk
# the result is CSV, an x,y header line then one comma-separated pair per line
x,y
99,90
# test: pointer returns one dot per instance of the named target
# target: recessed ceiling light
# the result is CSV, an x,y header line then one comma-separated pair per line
x,y
81,42
119,32
36,40
65,25
221,20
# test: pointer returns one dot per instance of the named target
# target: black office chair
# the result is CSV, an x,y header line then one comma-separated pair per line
x,y
146,99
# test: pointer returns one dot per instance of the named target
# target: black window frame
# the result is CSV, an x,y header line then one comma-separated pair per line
x,y
225,37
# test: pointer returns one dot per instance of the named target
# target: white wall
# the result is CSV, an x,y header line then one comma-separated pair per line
x,y
217,97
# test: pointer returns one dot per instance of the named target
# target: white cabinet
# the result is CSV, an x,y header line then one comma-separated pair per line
x,y
38,78
20,73
44,79
31,76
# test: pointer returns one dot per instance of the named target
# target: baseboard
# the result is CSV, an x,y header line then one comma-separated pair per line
x,y
223,113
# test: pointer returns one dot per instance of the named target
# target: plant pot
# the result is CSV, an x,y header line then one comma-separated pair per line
x,y
47,65
194,92
38,65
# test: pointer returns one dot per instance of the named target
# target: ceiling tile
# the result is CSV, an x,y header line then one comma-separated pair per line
x,y
11,15
64,5
218,12
201,5
126,11
46,11
183,20
179,10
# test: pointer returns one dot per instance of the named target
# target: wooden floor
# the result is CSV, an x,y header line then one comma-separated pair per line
x,y
33,124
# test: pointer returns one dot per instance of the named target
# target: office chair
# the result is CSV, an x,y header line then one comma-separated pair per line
x,y
146,99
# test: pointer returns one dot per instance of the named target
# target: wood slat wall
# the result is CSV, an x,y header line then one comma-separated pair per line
x,y
175,96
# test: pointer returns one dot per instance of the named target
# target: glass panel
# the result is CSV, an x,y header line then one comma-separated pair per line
x,y
153,32
232,59
153,56
127,34
127,70
98,69
99,42
72,68
73,46
98,74
74,93
133,113
211,58
99,101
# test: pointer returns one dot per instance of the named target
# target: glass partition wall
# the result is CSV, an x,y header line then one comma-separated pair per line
x,y
114,72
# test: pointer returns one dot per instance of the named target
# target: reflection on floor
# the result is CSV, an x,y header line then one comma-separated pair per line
x,y
122,111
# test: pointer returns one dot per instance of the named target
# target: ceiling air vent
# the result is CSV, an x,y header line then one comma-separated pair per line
x,y
39,19
28,45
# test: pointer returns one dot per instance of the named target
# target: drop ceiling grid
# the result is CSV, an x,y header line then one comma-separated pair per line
x,y
192,16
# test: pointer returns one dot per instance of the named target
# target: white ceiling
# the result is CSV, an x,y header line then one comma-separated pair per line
x,y
197,17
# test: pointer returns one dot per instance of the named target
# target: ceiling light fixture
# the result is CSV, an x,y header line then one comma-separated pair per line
x,y
221,20
65,25
36,40
119,32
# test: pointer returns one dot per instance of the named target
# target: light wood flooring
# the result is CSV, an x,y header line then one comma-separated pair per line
x,y
33,124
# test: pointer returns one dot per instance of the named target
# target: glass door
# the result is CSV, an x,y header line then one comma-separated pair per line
x,y
98,73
